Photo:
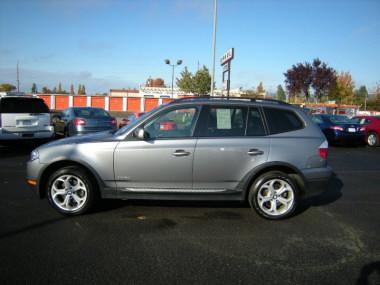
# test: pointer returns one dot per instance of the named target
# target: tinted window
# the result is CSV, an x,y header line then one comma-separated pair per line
x,y
23,105
224,121
255,126
280,121
336,119
90,113
175,123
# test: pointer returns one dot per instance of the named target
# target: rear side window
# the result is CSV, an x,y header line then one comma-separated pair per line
x,y
23,105
255,126
224,121
281,121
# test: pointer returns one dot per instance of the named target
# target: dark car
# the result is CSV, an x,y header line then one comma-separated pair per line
x,y
83,120
340,129
371,125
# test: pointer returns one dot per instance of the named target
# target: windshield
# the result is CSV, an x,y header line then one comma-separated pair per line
x,y
336,119
134,122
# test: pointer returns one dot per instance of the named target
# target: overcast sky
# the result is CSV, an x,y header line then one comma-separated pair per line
x,y
118,43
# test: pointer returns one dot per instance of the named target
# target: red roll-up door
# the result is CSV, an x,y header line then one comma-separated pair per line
x,y
61,102
150,103
80,101
116,104
97,101
134,105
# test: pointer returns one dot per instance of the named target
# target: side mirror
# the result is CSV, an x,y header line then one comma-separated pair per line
x,y
141,134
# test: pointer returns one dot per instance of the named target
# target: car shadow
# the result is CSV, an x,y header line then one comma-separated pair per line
x,y
332,194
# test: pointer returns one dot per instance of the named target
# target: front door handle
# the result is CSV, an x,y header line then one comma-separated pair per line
x,y
255,151
181,152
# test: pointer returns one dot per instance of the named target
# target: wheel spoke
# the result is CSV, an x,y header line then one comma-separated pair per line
x,y
78,199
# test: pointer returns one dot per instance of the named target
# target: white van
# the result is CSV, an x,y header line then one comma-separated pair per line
x,y
24,117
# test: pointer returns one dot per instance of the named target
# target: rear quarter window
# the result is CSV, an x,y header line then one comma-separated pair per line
x,y
23,105
281,120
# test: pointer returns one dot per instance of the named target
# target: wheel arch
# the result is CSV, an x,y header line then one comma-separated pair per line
x,y
44,177
287,168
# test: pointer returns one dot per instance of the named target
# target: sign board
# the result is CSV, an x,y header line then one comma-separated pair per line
x,y
228,56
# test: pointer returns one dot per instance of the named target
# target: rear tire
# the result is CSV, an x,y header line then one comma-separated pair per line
x,y
274,195
71,191
373,139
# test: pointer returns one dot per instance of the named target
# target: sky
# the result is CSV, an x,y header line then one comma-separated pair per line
x,y
108,44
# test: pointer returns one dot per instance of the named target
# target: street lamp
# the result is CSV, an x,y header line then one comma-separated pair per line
x,y
179,62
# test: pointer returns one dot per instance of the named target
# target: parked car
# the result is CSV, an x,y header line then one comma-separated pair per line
x,y
371,125
83,120
340,129
24,118
130,118
264,151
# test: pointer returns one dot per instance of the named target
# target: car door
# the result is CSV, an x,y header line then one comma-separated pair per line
x,y
228,147
164,160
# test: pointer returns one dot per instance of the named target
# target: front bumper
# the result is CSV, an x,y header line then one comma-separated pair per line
x,y
316,180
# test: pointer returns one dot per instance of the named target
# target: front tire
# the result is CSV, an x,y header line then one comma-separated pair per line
x,y
71,191
274,195
373,139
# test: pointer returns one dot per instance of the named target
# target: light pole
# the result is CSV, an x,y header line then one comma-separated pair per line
x,y
214,47
179,62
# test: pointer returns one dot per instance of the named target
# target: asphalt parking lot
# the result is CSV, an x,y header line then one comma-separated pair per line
x,y
334,239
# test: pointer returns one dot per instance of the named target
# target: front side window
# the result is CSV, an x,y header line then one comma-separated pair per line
x,y
177,123
224,121
281,120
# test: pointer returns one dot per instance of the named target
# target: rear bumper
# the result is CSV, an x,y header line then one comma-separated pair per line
x,y
45,133
316,180
348,138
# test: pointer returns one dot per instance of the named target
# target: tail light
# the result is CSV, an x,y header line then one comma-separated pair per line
x,y
324,150
337,128
114,121
362,129
79,122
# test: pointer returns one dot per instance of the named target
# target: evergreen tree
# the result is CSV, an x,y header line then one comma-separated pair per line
x,y
202,81
360,95
59,91
34,88
79,89
185,82
83,90
281,93
72,92
260,90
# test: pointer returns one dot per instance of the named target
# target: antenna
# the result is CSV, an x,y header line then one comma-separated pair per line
x,y
18,79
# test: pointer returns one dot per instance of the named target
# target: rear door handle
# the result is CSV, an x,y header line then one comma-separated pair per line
x,y
255,151
181,152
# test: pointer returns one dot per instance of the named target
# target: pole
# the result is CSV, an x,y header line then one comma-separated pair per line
x,y
18,79
229,79
173,81
213,48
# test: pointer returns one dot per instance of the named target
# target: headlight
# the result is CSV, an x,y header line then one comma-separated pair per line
x,y
34,155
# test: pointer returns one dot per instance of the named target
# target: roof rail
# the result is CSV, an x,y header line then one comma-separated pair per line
x,y
251,99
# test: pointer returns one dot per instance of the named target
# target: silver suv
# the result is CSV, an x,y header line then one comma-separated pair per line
x,y
265,152
23,118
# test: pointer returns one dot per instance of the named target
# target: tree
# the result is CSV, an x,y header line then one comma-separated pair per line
x,y
260,90
281,93
202,81
72,89
360,95
79,89
83,90
55,90
34,88
324,78
59,91
343,90
302,76
298,79
6,87
185,82
46,90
